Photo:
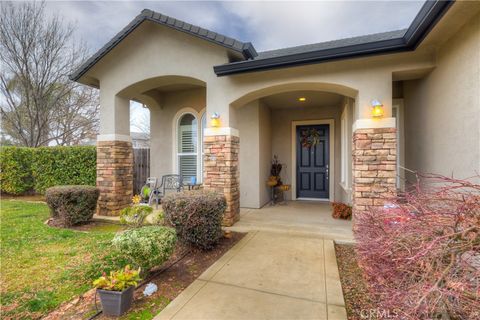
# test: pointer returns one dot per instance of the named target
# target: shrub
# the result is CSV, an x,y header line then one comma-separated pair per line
x,y
71,205
25,170
197,216
16,170
341,211
146,247
421,252
134,216
54,166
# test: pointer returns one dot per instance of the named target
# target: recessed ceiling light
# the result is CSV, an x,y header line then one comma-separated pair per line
x,y
302,99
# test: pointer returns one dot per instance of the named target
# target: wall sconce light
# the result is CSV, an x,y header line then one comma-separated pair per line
x,y
377,109
215,120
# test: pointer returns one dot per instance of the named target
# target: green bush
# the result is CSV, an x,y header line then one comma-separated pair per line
x,y
16,170
71,205
134,216
197,216
55,166
146,247
26,170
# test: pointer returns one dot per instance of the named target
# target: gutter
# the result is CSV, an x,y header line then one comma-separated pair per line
x,y
428,16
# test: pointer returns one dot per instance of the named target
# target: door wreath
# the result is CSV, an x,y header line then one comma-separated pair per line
x,y
309,137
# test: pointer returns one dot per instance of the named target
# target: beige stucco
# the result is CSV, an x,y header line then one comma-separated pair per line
x,y
282,138
171,71
442,110
163,120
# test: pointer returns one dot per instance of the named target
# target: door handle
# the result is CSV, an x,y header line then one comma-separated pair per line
x,y
326,170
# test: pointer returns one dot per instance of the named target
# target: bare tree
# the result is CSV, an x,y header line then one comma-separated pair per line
x,y
140,122
39,104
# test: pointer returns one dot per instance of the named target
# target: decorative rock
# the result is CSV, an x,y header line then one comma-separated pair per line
x,y
221,172
374,167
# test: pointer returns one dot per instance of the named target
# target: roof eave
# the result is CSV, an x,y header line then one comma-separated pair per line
x,y
430,13
246,49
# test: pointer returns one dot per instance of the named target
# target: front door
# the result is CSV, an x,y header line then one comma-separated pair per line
x,y
313,161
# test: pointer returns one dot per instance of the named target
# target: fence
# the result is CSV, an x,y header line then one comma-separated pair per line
x,y
141,168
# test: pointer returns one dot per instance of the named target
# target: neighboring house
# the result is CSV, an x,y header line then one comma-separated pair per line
x,y
270,103
140,139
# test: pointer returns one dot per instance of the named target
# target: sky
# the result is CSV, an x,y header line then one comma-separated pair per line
x,y
267,24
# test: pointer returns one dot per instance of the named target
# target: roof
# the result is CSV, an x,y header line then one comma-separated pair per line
x,y
331,44
245,48
379,43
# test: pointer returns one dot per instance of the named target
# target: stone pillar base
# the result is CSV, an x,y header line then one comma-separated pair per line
x,y
221,172
374,167
114,176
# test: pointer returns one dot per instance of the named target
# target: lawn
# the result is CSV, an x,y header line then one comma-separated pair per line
x,y
41,266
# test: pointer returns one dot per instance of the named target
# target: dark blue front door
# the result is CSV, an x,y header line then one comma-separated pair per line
x,y
313,161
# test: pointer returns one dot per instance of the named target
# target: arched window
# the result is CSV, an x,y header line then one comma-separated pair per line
x,y
189,145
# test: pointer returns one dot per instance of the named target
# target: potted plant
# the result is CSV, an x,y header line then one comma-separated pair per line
x,y
116,290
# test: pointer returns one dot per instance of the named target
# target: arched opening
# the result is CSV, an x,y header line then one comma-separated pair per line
x,y
166,117
283,121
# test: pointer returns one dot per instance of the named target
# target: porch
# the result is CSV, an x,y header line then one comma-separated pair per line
x,y
309,218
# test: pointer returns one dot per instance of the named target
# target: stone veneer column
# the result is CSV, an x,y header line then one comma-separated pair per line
x,y
374,167
221,171
114,176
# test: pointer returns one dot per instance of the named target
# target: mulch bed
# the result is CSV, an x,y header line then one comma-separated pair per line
x,y
178,272
355,291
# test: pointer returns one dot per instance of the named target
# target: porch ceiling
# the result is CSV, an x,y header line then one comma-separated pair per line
x,y
313,99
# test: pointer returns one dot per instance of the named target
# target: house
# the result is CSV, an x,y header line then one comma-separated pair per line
x,y
140,139
344,117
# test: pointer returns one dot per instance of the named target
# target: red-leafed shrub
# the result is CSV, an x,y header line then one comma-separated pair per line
x,y
421,253
341,211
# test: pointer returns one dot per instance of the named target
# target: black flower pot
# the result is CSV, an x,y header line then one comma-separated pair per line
x,y
116,303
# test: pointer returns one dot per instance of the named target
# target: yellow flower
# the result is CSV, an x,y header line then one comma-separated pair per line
x,y
136,199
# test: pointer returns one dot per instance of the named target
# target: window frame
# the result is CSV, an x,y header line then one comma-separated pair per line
x,y
198,115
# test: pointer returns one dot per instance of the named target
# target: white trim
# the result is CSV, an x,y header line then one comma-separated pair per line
x,y
331,175
399,105
114,137
222,131
374,123
198,116
345,140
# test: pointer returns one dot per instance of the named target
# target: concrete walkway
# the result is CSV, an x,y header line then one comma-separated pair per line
x,y
296,217
267,275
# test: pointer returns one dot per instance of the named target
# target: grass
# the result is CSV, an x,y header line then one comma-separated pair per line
x,y
41,267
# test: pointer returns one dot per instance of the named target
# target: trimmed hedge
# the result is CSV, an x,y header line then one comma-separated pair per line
x,y
146,247
36,169
71,205
16,170
197,216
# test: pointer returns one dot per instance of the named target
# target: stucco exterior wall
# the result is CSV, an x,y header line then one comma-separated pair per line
x,y
247,119
265,152
253,121
163,126
346,186
282,139
442,110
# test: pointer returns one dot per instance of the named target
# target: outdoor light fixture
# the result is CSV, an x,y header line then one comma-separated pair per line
x,y
302,99
215,120
377,109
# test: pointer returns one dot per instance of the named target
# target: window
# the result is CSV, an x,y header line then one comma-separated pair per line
x,y
187,146
190,146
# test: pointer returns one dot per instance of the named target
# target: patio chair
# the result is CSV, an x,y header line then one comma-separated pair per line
x,y
170,183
